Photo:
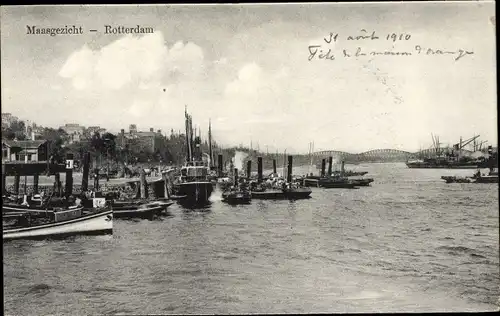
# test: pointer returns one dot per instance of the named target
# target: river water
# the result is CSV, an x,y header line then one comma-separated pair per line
x,y
408,243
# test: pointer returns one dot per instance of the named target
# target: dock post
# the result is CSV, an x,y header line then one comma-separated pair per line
x,y
323,166
235,176
17,181
220,165
86,169
68,190
259,169
249,169
165,185
330,164
143,184
35,183
274,166
4,182
57,183
290,169
96,179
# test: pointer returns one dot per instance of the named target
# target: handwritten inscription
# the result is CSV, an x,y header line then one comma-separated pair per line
x,y
325,52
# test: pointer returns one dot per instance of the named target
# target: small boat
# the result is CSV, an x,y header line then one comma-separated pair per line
x,y
362,182
237,197
492,177
39,224
350,173
329,182
283,190
455,179
139,209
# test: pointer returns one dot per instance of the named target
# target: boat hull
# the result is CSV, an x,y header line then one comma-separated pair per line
x,y
194,192
282,194
237,198
487,179
92,224
329,184
147,211
362,182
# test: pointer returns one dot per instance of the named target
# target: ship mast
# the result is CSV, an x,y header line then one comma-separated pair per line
x,y
188,135
210,142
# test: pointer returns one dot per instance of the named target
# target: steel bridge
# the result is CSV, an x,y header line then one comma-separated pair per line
x,y
378,155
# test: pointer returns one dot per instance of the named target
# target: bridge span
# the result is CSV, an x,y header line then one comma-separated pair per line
x,y
376,155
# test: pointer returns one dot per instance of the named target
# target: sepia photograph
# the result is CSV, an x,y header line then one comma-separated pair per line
x,y
278,158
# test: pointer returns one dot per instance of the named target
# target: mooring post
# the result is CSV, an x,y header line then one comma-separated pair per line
x,y
4,182
86,169
17,182
165,185
249,169
143,184
57,183
323,166
68,190
330,165
274,166
290,169
35,183
96,179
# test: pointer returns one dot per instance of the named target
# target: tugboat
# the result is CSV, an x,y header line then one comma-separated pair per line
x,y
193,182
332,181
276,188
238,192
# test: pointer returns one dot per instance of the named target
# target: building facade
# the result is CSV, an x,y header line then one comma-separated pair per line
x,y
25,150
142,141
75,132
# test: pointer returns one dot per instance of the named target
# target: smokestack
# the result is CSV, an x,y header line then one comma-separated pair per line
x,y
235,176
151,129
342,169
330,164
159,131
290,168
220,164
323,167
274,166
249,169
69,175
32,135
259,169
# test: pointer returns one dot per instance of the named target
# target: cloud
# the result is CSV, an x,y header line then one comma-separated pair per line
x,y
132,61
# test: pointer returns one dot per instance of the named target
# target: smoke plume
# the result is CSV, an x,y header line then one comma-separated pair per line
x,y
239,159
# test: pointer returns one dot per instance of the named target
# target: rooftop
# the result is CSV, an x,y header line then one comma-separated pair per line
x,y
24,143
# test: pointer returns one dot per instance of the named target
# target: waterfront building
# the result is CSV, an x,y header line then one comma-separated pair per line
x,y
25,150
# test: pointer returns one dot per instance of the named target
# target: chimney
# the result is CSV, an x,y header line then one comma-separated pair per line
x,y
151,129
259,169
122,131
32,135
159,131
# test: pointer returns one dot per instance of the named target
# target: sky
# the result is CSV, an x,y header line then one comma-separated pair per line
x,y
247,69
